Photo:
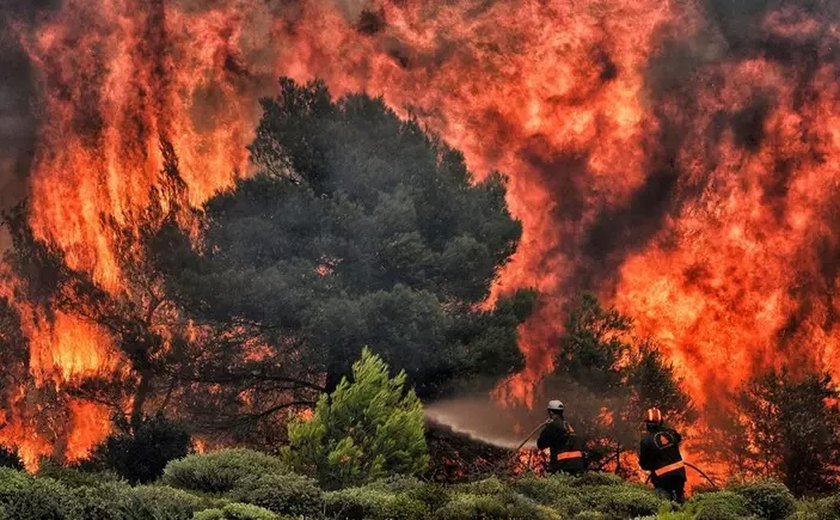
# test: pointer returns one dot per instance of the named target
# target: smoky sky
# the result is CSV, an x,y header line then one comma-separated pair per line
x,y
733,31
17,110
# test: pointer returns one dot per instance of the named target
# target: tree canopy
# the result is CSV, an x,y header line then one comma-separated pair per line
x,y
359,229
789,428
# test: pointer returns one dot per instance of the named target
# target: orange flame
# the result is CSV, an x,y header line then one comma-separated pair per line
x,y
736,273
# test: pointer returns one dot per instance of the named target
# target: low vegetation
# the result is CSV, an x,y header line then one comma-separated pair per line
x,y
215,489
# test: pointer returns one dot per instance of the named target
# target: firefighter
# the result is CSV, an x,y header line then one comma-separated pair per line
x,y
565,447
659,453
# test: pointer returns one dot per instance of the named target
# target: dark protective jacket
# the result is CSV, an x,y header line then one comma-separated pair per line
x,y
565,447
659,453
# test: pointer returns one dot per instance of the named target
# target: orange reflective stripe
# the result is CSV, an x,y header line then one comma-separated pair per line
x,y
669,468
569,455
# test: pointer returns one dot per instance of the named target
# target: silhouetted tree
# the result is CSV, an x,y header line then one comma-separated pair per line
x,y
140,450
791,425
611,378
360,229
10,459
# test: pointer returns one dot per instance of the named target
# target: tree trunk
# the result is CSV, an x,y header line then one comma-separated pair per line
x,y
143,389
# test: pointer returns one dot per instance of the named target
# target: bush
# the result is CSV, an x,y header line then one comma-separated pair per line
x,y
490,486
290,494
673,515
10,459
74,477
507,505
469,507
161,502
719,505
623,501
593,478
591,515
371,503
209,514
35,499
818,509
363,431
220,471
119,501
236,511
548,490
106,501
432,494
11,481
767,499
140,452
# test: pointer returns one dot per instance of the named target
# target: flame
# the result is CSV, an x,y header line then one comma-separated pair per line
x,y
689,181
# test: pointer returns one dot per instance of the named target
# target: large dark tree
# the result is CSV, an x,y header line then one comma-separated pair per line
x,y
790,430
359,229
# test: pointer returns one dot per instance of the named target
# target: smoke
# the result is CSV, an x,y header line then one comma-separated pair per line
x,y
17,120
18,109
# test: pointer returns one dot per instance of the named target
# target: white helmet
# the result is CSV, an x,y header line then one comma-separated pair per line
x,y
555,406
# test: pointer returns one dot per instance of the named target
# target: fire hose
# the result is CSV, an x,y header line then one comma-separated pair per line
x,y
698,470
524,442
528,438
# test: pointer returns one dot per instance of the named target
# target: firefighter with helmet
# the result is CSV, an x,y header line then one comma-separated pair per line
x,y
565,447
659,453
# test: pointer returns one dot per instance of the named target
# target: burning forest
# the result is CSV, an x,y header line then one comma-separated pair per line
x,y
211,207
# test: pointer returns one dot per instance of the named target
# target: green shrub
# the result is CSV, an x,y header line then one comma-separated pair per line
x,y
719,505
372,503
36,499
399,483
671,515
236,511
105,501
73,477
220,471
549,490
434,495
507,506
363,431
594,478
489,486
623,501
468,507
591,515
818,509
767,499
140,451
160,503
12,481
209,514
554,491
290,494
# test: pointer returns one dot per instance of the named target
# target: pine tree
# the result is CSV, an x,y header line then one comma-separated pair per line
x,y
366,429
792,430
